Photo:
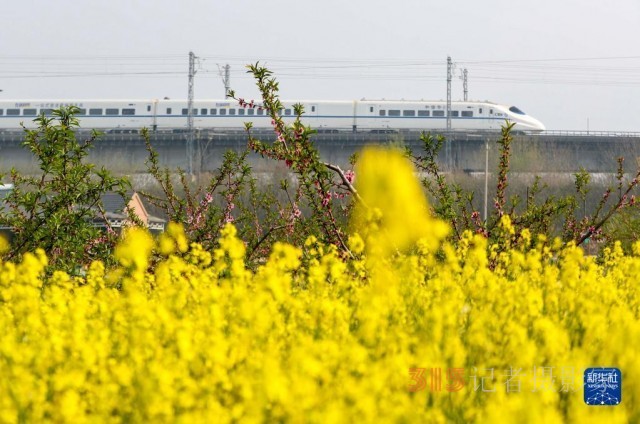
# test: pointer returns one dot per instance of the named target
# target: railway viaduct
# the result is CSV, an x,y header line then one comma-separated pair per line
x,y
548,152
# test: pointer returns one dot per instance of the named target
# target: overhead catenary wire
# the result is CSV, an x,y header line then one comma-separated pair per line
x,y
597,71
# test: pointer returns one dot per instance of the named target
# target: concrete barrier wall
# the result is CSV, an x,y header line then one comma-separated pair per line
x,y
540,153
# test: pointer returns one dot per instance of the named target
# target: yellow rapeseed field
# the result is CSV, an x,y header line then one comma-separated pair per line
x,y
411,330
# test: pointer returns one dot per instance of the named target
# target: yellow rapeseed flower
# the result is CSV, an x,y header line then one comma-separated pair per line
x,y
4,245
314,337
394,213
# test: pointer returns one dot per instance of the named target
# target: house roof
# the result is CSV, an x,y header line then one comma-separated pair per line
x,y
114,207
113,202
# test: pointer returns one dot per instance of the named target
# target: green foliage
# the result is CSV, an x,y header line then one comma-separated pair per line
x,y
55,209
319,185
566,217
196,208
625,228
307,201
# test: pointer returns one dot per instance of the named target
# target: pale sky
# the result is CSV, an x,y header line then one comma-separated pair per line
x,y
569,63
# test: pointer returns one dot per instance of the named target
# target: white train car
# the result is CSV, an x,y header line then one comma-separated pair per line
x,y
227,114
362,115
432,116
99,114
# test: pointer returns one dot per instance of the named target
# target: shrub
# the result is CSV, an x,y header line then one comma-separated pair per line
x,y
55,210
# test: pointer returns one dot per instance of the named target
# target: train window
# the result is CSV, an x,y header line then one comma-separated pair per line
x,y
438,113
94,112
423,113
203,111
13,112
480,111
232,111
46,112
1,112
185,111
128,111
82,111
148,108
408,113
467,113
490,111
260,111
240,111
223,111
30,112
111,111
213,111
250,111
383,112
313,108
370,108
455,113
516,110
287,112
168,111
394,112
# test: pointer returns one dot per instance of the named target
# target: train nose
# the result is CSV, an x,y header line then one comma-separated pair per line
x,y
530,123
539,126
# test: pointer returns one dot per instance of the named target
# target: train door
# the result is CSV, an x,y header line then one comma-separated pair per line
x,y
367,115
354,124
382,120
311,110
311,113
493,122
154,115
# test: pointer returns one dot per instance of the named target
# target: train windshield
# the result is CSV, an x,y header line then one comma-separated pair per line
x,y
516,110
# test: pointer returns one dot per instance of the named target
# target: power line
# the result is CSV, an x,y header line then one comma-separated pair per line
x,y
565,71
563,59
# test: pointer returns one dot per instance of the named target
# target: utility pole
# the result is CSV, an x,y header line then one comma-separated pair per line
x,y
486,180
447,149
449,75
227,80
190,135
465,87
225,74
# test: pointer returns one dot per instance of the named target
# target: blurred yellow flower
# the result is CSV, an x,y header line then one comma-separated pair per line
x,y
394,214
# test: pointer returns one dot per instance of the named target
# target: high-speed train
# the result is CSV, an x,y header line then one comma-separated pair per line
x,y
360,115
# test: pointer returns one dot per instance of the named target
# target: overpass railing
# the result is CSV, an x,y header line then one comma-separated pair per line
x,y
566,133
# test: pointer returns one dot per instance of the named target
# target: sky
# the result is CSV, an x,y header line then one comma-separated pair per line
x,y
572,64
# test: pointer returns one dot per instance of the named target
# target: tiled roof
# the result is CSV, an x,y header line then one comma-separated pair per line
x,y
113,202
